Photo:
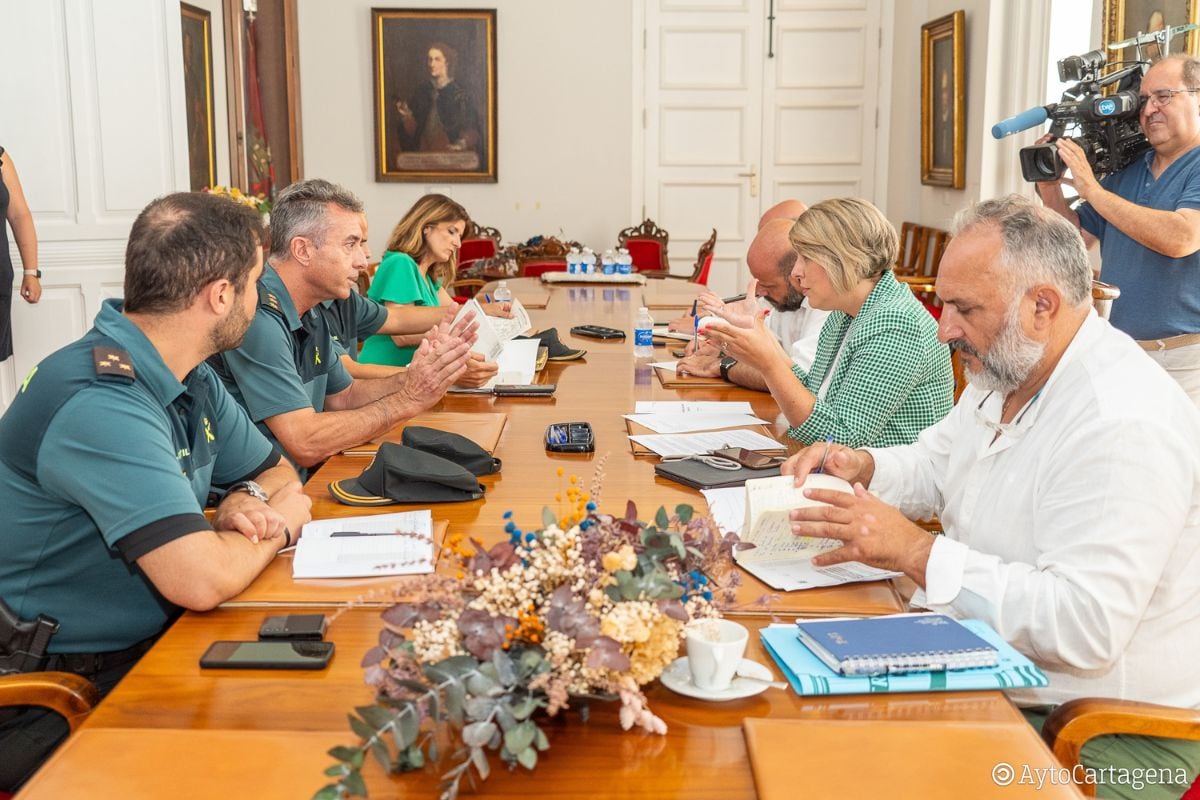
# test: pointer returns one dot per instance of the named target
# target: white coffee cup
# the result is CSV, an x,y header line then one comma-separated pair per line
x,y
715,648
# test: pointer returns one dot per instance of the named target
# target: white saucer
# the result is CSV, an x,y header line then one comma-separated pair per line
x,y
678,678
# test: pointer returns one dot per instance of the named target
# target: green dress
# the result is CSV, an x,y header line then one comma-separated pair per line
x,y
397,280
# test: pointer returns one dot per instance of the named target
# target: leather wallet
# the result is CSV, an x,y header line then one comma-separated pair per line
x,y
699,475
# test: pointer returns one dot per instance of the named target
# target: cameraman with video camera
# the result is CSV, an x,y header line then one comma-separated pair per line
x,y
1147,220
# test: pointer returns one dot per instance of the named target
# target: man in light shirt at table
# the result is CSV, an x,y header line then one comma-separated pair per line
x,y
771,258
1067,480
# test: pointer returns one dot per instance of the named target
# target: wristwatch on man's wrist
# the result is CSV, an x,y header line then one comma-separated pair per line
x,y
251,488
34,273
727,363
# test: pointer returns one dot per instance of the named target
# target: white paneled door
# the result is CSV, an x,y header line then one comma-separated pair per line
x,y
742,112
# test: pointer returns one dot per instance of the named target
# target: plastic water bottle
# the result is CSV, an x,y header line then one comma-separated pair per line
x,y
624,262
502,294
643,334
608,263
589,261
573,261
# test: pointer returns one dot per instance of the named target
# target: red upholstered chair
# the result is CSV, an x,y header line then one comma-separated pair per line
x,y
478,242
536,267
700,269
647,246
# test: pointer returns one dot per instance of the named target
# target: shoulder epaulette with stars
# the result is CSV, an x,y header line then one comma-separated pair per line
x,y
113,361
267,299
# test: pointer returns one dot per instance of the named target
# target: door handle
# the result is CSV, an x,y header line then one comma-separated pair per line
x,y
753,176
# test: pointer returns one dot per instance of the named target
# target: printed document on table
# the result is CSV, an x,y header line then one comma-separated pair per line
x,y
781,559
694,407
387,544
676,423
516,364
669,366
695,444
494,331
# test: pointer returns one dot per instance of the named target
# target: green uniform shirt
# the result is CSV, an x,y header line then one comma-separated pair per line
x,y
104,457
285,362
351,319
893,379
397,280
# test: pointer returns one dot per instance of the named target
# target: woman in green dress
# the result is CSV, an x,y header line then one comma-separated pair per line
x,y
417,266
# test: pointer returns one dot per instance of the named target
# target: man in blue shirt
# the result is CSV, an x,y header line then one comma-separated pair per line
x,y
287,373
1147,220
111,447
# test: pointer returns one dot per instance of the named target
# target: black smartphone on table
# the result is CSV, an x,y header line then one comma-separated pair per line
x,y
597,332
267,655
293,627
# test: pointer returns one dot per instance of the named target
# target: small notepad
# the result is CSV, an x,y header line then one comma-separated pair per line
x,y
367,546
896,644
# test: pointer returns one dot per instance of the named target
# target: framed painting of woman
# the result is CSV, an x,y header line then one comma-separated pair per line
x,y
435,95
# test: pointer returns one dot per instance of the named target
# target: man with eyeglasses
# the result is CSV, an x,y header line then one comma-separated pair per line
x,y
1067,481
1147,220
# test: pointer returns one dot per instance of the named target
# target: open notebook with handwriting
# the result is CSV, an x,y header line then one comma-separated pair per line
x,y
357,547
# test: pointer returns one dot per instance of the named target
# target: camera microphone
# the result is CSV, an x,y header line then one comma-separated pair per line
x,y
1023,121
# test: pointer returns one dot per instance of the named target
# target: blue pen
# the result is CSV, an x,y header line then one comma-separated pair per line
x,y
821,467
695,328
487,297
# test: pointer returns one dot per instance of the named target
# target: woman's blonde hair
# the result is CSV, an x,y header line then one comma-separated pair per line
x,y
849,237
409,234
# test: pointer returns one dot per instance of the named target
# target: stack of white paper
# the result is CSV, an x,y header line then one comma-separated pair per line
x,y
694,407
694,444
675,423
517,364
357,547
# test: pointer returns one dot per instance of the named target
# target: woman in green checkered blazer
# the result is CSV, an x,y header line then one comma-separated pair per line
x,y
880,376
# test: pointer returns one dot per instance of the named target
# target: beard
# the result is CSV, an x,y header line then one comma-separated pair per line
x,y
792,301
229,333
1009,360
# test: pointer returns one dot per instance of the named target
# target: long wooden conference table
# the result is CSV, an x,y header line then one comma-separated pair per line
x,y
173,730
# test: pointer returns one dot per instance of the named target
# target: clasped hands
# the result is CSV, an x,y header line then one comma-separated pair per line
x,y
871,531
261,521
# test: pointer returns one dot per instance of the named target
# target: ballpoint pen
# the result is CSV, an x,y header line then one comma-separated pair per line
x,y
695,328
821,467
487,297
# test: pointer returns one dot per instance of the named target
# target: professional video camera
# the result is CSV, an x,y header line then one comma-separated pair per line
x,y
1108,127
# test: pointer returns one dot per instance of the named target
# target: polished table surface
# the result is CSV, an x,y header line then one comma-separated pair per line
x,y
703,755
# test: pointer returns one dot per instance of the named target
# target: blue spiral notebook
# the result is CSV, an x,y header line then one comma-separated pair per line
x,y
809,676
897,643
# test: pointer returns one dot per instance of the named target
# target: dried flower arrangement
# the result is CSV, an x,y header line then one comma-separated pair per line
x,y
590,607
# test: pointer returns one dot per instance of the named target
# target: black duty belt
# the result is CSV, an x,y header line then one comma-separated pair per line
x,y
90,664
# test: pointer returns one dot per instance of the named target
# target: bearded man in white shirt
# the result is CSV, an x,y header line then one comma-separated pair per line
x,y
1067,480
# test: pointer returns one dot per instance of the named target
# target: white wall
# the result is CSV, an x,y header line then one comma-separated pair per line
x,y
94,117
550,177
908,200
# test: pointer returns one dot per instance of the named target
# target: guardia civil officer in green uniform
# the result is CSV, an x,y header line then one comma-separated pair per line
x,y
287,373
110,449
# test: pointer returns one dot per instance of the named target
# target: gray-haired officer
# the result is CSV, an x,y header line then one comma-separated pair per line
x,y
108,454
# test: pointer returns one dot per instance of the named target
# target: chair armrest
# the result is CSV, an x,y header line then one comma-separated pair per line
x,y
918,283
62,692
1077,721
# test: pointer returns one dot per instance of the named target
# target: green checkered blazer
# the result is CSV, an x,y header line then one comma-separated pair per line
x,y
893,379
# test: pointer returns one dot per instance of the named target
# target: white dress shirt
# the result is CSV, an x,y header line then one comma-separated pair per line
x,y
1076,533
798,331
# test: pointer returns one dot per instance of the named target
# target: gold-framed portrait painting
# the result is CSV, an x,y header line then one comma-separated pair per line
x,y
435,94
943,101
196,26
1125,19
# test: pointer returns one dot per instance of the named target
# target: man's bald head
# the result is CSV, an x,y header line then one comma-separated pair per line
x,y
789,210
771,258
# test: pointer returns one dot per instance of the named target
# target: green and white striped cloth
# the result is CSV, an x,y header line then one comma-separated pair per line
x,y
893,380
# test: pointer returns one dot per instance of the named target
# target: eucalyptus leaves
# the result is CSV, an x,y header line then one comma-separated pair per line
x,y
541,621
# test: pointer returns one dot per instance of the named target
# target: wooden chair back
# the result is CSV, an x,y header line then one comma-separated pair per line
x,y
921,250
647,246
364,278
704,260
1103,295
